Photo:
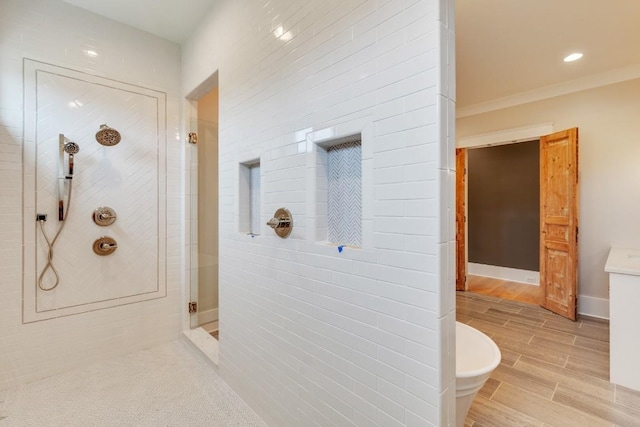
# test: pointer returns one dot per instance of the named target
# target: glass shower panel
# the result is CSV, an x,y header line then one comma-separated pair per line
x,y
207,222
204,213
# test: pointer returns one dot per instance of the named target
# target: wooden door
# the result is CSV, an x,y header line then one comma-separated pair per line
x,y
559,222
461,253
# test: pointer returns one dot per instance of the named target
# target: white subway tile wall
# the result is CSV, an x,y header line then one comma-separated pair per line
x,y
60,34
310,335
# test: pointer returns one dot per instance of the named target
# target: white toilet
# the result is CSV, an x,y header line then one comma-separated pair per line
x,y
476,357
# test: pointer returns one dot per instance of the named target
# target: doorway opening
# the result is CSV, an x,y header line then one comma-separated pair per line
x,y
503,220
203,112
207,212
558,217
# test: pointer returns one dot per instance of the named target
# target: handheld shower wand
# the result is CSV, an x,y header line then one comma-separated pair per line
x,y
64,180
65,175
71,148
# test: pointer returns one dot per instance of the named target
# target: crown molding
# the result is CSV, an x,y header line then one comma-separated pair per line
x,y
618,75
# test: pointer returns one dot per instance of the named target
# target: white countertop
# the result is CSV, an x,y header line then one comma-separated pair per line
x,y
623,261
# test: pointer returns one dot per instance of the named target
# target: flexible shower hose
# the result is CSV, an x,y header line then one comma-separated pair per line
x,y
52,242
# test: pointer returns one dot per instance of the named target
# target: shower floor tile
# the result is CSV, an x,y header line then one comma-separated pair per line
x,y
167,385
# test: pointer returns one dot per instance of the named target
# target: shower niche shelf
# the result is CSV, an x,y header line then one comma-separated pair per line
x,y
250,197
342,162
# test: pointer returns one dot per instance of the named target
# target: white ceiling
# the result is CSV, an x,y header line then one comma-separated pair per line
x,y
503,47
173,20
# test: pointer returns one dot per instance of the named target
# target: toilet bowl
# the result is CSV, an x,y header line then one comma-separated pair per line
x,y
476,357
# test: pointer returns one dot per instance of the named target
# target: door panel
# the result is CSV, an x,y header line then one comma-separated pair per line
x,y
461,252
559,222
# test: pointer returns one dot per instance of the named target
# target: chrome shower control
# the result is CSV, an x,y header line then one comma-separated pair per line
x,y
282,222
104,216
105,246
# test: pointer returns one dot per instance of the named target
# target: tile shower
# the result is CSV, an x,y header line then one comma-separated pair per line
x,y
67,71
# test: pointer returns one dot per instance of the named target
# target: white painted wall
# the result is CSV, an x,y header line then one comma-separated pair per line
x,y
57,33
609,153
308,335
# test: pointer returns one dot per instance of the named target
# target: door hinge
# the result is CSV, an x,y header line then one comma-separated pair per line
x,y
192,138
193,307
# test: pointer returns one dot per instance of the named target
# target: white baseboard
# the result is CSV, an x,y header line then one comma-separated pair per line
x,y
505,273
207,316
593,307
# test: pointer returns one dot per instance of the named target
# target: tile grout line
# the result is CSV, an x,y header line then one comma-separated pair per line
x,y
496,390
555,389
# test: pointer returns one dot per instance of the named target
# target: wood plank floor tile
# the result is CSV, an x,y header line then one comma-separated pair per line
x,y
599,369
627,397
495,330
525,349
544,410
537,311
575,380
600,408
489,413
509,357
515,317
592,344
462,318
491,318
560,324
570,350
474,305
580,328
489,388
525,381
514,303
485,298
518,327
595,331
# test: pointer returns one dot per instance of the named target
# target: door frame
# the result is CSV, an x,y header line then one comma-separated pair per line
x,y
485,140
507,137
190,102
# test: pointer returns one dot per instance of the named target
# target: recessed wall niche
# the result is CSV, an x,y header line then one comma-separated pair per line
x,y
342,160
250,197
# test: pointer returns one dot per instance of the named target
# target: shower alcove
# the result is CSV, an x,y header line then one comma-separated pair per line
x,y
203,190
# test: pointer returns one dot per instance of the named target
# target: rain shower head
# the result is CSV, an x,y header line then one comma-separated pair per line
x,y
107,136
71,148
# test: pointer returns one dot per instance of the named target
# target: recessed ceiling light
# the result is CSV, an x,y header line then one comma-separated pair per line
x,y
573,57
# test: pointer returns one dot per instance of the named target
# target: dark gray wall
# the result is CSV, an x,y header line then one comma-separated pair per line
x,y
504,205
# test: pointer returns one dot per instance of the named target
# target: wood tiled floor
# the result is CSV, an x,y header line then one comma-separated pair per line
x,y
554,372
504,289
